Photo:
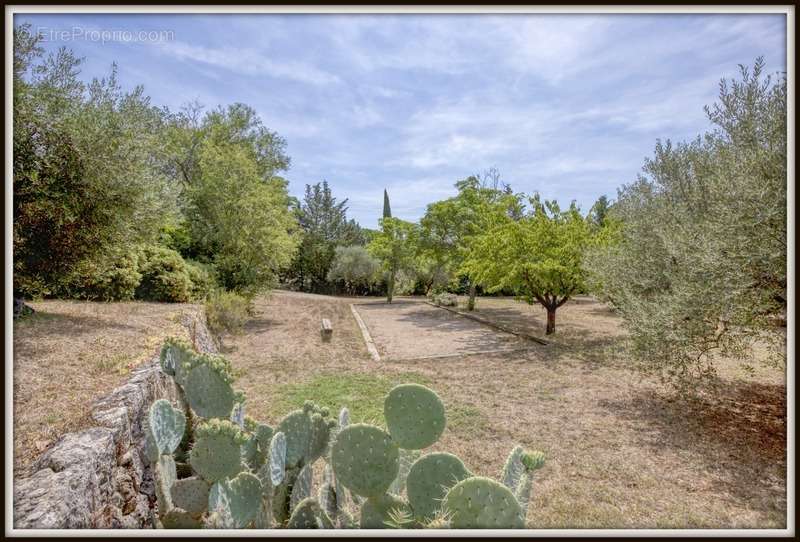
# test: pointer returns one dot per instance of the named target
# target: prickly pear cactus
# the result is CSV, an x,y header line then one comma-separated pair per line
x,y
216,453
430,478
191,495
365,459
237,500
301,489
414,415
407,459
531,462
219,468
482,503
166,425
173,353
177,518
209,395
165,476
378,512
513,468
308,514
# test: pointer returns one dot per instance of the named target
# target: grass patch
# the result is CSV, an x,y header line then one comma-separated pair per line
x,y
361,393
466,420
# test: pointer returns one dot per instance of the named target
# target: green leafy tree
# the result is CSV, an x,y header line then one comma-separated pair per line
x,y
241,220
699,267
325,226
599,212
355,268
537,256
482,201
394,246
87,171
235,205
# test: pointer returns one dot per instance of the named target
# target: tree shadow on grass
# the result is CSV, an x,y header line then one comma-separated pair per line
x,y
68,324
738,431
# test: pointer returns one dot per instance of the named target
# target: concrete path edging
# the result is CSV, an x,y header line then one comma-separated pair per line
x,y
371,348
494,325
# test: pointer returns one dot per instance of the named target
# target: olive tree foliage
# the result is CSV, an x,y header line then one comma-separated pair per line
x,y
537,255
697,268
395,246
355,269
235,205
87,173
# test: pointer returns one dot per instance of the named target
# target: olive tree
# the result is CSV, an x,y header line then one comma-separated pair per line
x,y
698,269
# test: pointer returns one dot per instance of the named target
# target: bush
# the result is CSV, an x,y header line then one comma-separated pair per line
x,y
354,268
202,277
165,276
113,277
227,312
445,299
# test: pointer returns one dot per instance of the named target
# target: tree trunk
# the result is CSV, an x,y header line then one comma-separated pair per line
x,y
390,288
473,290
551,321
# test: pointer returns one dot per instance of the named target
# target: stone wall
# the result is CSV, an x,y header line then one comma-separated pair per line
x,y
99,477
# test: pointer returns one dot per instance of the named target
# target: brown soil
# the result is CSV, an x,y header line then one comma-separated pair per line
x,y
70,353
622,450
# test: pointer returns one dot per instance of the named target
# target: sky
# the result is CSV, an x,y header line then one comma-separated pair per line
x,y
565,105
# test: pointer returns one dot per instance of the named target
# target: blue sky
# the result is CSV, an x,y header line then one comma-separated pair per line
x,y
567,105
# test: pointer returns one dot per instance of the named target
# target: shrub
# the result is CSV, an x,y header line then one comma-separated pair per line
x,y
202,277
227,312
112,277
445,299
165,276
355,268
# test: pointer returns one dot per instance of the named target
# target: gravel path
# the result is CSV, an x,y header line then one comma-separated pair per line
x,y
412,330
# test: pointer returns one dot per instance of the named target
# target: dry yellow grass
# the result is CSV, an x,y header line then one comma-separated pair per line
x,y
70,353
623,451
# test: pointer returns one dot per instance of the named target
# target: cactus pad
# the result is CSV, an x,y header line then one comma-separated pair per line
x,y
414,415
376,511
513,468
209,395
277,458
308,514
166,475
296,426
532,460
216,453
180,519
191,495
301,489
429,479
482,503
173,353
365,459
167,425
238,499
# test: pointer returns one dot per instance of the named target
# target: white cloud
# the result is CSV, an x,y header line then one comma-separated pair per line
x,y
249,62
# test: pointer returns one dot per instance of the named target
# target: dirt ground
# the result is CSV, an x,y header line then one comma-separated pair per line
x,y
70,353
409,329
622,450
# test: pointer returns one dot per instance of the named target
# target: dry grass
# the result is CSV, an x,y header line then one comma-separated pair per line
x,y
70,353
623,452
